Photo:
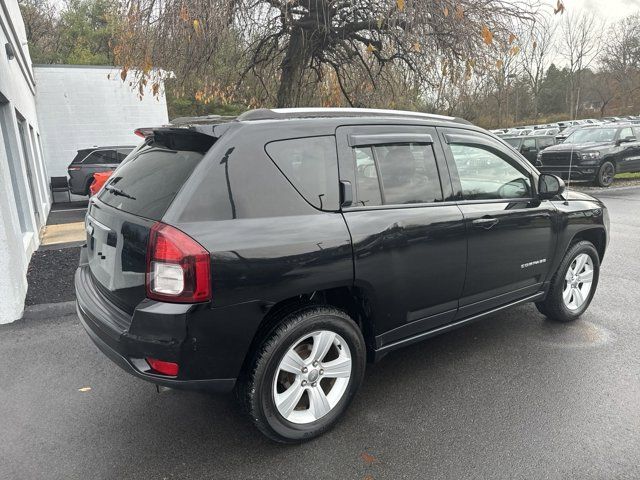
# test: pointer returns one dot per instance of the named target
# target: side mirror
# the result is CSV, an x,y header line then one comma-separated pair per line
x,y
549,186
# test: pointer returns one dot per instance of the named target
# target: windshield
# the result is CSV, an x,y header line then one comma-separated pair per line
x,y
592,135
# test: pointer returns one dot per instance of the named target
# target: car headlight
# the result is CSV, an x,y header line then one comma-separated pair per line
x,y
588,155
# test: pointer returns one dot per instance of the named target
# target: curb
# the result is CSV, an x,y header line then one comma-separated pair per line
x,y
47,310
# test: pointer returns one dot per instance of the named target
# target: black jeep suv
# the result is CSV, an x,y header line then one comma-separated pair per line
x,y
595,154
278,252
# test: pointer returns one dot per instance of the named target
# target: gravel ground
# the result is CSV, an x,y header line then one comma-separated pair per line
x,y
50,276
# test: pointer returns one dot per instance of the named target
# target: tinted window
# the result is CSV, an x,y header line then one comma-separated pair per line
x,y
122,154
311,166
485,176
101,156
529,144
544,143
368,187
81,155
148,182
408,174
514,142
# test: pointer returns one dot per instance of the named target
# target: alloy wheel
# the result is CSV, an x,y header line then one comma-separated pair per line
x,y
312,377
577,282
606,174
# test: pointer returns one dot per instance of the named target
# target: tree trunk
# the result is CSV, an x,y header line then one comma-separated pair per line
x,y
293,68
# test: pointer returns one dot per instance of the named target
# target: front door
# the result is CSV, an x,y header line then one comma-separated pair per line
x,y
511,238
409,243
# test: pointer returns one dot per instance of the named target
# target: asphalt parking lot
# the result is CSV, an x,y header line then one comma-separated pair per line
x,y
511,397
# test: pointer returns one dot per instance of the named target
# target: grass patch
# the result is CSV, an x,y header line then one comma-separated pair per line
x,y
629,176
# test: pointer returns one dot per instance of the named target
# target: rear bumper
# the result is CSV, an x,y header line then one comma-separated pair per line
x,y
111,330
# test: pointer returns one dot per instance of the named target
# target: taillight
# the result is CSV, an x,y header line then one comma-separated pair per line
x,y
165,368
178,267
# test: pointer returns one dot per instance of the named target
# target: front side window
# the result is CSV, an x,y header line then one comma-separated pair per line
x,y
545,142
399,174
484,175
626,133
311,166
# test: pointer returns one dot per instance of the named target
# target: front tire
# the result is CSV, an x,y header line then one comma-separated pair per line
x,y
574,284
605,174
305,374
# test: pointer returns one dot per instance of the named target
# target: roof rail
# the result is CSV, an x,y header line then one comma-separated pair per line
x,y
285,113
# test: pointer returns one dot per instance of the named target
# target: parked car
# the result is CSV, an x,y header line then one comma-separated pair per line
x,y
277,253
529,146
546,131
595,154
99,179
91,160
562,136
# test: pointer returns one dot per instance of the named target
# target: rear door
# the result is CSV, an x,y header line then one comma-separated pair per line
x,y
133,199
511,237
529,149
409,243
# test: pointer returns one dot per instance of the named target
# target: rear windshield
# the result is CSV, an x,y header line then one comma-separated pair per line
x,y
81,155
149,180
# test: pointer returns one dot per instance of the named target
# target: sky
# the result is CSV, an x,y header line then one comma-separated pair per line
x,y
609,9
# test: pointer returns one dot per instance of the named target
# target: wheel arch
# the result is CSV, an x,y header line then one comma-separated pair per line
x,y
596,236
353,300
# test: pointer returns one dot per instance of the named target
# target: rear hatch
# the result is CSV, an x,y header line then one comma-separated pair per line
x,y
137,196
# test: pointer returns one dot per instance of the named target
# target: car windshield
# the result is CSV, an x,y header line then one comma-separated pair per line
x,y
588,135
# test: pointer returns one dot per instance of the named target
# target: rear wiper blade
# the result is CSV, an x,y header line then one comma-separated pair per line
x,y
118,192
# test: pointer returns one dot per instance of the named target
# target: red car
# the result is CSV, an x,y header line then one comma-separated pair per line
x,y
99,180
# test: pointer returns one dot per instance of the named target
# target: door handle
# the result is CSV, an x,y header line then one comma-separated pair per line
x,y
486,222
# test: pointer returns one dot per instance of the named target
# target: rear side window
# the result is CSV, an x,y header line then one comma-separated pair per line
x,y
398,174
101,156
311,166
147,182
81,155
514,142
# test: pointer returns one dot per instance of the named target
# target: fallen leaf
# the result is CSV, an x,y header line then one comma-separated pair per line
x,y
499,63
459,12
368,459
84,389
512,38
123,74
371,48
368,477
487,36
559,7
446,11
400,4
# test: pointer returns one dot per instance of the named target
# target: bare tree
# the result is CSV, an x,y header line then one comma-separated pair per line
x,y
537,54
293,44
581,43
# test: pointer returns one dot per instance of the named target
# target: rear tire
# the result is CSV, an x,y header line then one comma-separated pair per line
x,y
605,174
570,292
304,375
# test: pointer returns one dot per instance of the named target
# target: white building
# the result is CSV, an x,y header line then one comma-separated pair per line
x,y
24,188
46,114
85,106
